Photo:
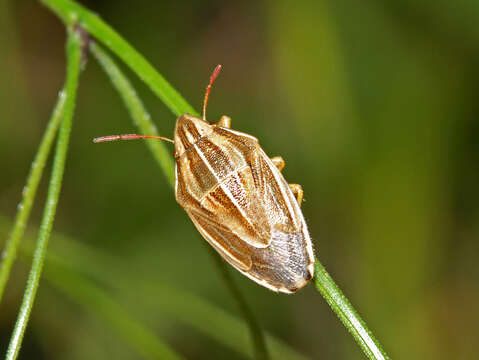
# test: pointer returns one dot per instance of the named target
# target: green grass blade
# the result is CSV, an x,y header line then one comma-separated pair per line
x,y
137,111
74,52
98,302
347,314
73,13
259,342
29,191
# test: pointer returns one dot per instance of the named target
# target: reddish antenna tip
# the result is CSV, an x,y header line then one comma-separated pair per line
x,y
216,71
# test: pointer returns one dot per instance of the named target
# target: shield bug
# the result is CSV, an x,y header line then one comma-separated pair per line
x,y
239,201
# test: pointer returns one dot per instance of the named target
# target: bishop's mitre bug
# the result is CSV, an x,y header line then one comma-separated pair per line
x,y
239,201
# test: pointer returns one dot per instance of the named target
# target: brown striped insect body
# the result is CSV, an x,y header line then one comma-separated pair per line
x,y
239,201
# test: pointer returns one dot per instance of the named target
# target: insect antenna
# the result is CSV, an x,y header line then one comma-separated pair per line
x,y
208,89
129,137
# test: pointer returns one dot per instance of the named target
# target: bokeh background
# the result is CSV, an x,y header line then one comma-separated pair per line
x,y
373,105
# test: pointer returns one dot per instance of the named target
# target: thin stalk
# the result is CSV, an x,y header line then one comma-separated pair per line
x,y
138,113
74,52
261,351
142,119
71,12
29,191
347,314
100,303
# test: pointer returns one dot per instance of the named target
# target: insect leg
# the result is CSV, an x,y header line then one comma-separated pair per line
x,y
278,162
298,191
225,121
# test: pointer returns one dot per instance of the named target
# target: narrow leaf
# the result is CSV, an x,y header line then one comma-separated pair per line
x,y
137,111
73,13
29,191
74,52
347,314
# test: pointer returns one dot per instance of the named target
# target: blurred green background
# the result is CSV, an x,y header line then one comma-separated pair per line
x,y
372,104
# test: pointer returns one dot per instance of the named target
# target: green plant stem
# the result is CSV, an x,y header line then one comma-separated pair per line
x,y
142,119
70,12
259,342
29,191
138,113
98,302
347,314
74,52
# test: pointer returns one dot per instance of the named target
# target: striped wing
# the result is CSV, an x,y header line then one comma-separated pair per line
x,y
227,243
249,215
